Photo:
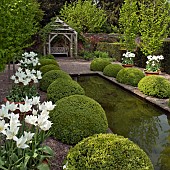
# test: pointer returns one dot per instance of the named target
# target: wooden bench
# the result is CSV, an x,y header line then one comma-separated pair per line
x,y
59,50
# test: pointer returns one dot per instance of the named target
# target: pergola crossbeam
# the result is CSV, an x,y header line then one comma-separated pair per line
x,y
59,27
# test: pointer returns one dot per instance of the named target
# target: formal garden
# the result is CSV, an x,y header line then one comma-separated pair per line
x,y
114,115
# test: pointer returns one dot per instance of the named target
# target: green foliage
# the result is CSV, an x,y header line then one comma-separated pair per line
x,y
130,76
154,19
48,67
165,64
19,92
99,64
19,21
83,16
113,49
46,61
156,86
51,76
62,88
76,117
48,56
112,9
129,23
101,54
112,70
107,151
88,55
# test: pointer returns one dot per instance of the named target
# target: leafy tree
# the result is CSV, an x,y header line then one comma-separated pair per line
x,y
83,16
129,23
18,22
112,9
154,19
51,8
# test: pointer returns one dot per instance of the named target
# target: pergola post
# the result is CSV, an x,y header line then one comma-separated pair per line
x,y
49,44
75,44
71,46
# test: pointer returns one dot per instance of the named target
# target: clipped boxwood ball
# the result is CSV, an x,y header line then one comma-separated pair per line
x,y
99,64
111,70
130,76
76,117
51,76
62,88
156,86
46,68
46,61
107,152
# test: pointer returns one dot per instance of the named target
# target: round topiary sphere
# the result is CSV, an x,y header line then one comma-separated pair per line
x,y
46,61
76,117
130,76
111,70
62,88
46,68
156,86
51,76
99,64
107,151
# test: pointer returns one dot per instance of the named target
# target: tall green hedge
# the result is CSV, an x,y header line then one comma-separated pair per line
x,y
113,49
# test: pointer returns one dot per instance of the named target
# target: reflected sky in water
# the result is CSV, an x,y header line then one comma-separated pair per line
x,y
133,118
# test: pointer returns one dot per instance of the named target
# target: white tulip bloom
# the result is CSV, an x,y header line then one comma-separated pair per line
x,y
31,119
21,142
3,126
4,113
28,135
25,107
36,100
12,132
49,105
46,125
34,112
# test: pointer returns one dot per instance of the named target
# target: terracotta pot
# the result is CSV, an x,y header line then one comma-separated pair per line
x,y
150,73
127,65
21,115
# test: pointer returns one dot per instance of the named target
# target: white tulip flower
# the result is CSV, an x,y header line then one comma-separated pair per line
x,y
35,100
3,126
28,135
21,142
46,125
31,119
4,113
25,107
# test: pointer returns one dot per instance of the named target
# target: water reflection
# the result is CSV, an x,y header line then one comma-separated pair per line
x,y
133,118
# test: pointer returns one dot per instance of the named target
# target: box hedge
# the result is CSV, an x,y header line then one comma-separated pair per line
x,y
51,76
130,76
46,61
76,117
44,69
107,152
112,70
62,88
156,86
98,64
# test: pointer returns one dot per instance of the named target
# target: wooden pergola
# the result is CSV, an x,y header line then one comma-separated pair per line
x,y
59,27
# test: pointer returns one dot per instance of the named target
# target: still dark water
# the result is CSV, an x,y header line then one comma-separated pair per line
x,y
133,118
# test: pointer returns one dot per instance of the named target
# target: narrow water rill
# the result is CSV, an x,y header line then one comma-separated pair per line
x,y
129,116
